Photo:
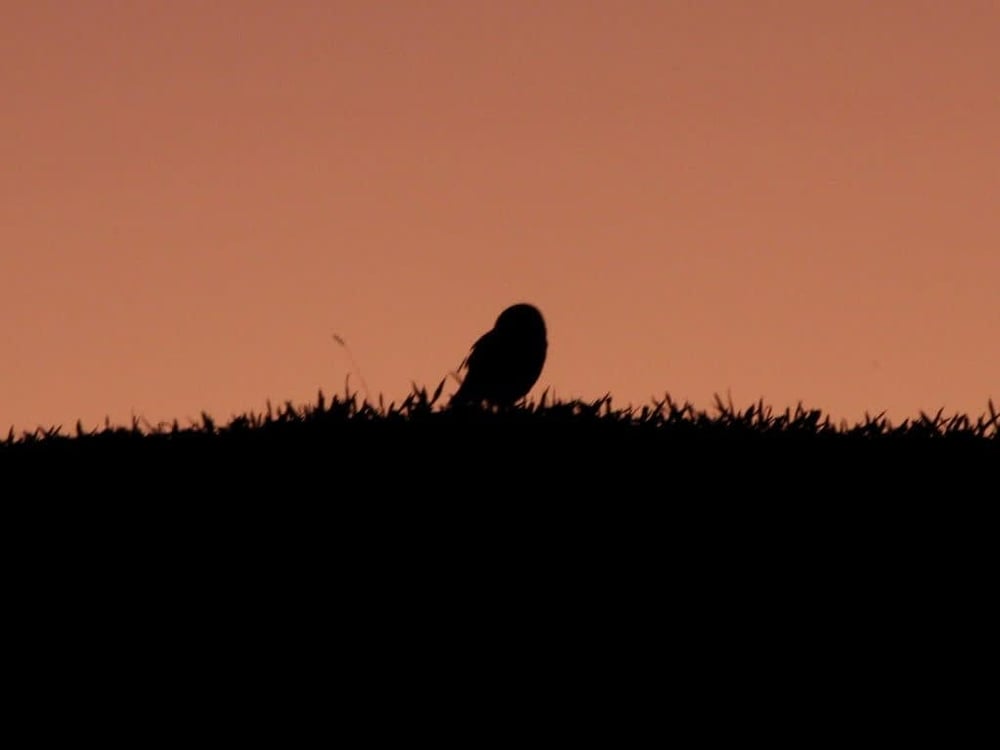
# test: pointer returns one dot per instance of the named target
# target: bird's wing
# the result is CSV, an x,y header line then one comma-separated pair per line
x,y
478,353
475,364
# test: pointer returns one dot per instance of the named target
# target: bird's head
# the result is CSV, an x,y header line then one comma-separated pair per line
x,y
520,319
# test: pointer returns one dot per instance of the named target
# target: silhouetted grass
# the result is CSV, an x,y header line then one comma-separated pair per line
x,y
547,444
347,411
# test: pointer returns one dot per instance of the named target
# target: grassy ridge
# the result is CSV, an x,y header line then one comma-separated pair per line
x,y
666,417
573,444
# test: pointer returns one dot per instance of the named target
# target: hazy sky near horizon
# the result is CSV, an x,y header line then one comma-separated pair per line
x,y
794,201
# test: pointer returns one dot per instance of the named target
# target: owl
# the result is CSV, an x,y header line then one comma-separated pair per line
x,y
505,362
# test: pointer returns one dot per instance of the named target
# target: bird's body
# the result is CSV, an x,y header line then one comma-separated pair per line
x,y
506,361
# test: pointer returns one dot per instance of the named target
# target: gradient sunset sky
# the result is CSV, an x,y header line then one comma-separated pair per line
x,y
794,201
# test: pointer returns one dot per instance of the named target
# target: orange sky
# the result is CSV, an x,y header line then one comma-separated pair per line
x,y
786,200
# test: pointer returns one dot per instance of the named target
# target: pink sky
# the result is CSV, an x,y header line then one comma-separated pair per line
x,y
794,201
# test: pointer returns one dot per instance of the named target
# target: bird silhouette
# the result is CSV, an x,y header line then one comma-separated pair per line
x,y
506,361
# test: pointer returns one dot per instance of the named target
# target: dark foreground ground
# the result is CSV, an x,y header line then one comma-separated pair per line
x,y
593,570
